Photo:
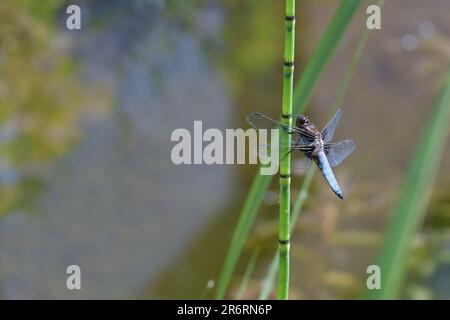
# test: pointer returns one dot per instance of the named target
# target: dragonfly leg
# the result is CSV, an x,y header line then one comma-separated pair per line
x,y
286,154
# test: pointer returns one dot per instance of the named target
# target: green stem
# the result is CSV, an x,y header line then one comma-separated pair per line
x,y
342,89
285,142
247,274
254,198
269,280
321,56
410,206
302,95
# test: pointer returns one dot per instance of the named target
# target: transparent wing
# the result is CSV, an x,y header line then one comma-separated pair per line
x,y
300,140
299,160
260,121
302,163
328,132
337,152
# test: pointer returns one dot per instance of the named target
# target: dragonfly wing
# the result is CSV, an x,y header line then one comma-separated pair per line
x,y
337,152
299,160
260,121
328,132
302,163
265,149
303,141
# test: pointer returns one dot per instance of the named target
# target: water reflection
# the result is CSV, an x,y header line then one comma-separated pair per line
x,y
97,147
107,206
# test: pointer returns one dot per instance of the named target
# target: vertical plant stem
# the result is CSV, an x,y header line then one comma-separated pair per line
x,y
285,142
247,274
269,280
303,92
408,212
304,88
253,201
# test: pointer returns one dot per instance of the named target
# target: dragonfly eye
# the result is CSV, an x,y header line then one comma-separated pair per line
x,y
301,120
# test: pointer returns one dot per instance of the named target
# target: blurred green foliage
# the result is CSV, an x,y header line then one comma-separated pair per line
x,y
413,198
40,98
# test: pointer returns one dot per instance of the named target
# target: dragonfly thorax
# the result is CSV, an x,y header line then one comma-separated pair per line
x,y
318,144
311,133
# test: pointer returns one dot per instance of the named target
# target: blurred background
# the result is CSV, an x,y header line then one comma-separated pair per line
x,y
85,123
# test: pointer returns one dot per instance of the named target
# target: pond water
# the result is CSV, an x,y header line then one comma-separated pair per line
x,y
142,227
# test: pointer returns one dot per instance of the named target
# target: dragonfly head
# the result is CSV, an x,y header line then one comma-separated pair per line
x,y
301,121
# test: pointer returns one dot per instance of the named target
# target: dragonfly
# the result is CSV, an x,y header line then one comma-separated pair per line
x,y
311,144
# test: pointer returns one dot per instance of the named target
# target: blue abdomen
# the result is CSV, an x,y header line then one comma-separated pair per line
x,y
324,166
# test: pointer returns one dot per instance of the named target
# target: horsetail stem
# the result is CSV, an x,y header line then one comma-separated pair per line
x,y
285,142
302,95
